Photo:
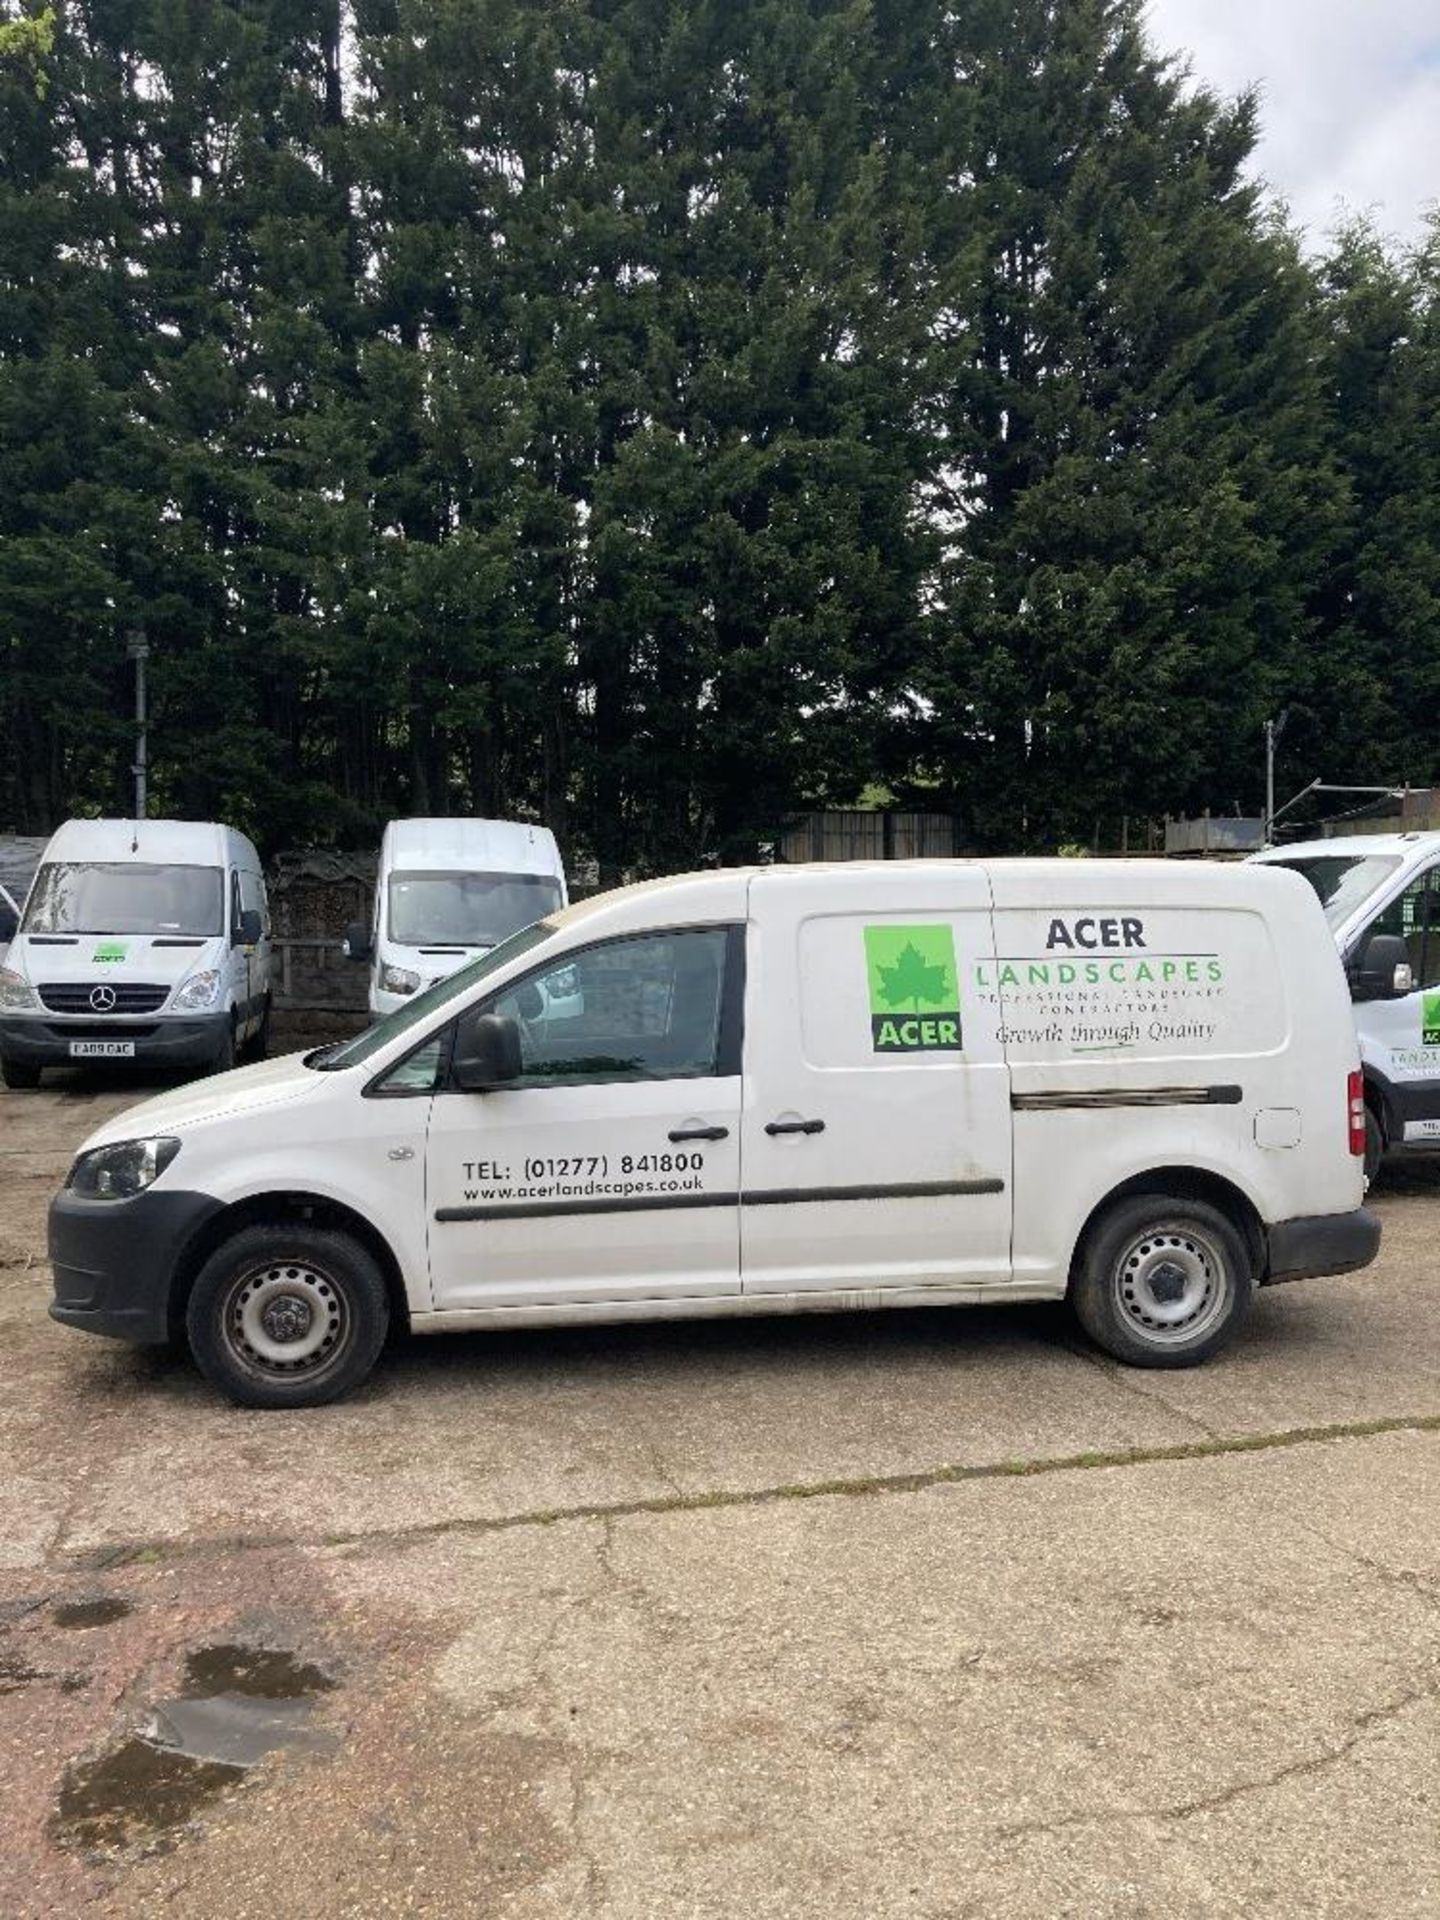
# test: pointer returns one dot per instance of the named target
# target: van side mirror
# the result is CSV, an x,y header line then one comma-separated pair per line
x,y
1381,970
247,934
357,942
487,1053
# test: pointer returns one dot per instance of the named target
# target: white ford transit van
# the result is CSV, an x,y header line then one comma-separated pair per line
x,y
761,1091
1381,895
144,941
447,890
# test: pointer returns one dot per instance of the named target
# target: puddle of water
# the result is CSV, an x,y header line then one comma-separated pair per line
x,y
236,1704
138,1792
103,1611
258,1673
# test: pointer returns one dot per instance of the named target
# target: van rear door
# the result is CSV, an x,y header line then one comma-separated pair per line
x,y
876,1134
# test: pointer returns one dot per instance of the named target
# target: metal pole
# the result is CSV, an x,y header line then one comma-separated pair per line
x,y
138,649
1269,780
140,742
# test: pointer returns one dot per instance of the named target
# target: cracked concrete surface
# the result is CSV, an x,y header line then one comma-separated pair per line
x,y
913,1615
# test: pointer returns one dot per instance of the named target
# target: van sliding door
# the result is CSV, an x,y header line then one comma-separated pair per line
x,y
876,1135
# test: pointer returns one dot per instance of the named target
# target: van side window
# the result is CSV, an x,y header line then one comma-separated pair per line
x,y
418,1072
1415,916
644,1008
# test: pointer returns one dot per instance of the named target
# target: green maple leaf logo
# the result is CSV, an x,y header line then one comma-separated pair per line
x,y
911,980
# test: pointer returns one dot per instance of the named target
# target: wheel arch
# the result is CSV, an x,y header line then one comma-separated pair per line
x,y
270,1209
1380,1098
1182,1183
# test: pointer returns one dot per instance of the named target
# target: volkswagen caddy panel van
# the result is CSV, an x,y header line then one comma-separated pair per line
x,y
910,1084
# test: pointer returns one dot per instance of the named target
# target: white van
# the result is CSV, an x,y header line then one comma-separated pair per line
x,y
794,1088
1381,895
448,890
144,941
9,920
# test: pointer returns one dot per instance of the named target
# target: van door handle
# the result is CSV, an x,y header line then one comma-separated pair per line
x,y
700,1133
795,1126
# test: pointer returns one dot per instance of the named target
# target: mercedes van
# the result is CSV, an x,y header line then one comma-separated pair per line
x,y
766,1091
143,941
446,891
9,921
1381,896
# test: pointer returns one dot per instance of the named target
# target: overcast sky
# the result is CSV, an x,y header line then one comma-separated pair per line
x,y
1350,97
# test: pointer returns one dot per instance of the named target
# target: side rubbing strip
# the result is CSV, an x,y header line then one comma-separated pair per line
x,y
903,1190
1128,1097
763,1197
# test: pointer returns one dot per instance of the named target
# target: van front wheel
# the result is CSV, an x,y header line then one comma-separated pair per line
x,y
287,1316
1162,1282
1374,1142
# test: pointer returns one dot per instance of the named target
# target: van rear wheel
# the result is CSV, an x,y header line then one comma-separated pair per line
x,y
287,1316
1163,1282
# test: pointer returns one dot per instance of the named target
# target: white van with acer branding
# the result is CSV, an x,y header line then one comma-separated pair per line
x,y
144,942
1381,895
766,1091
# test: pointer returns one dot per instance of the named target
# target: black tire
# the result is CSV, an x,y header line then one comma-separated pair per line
x,y
309,1290
258,1045
1162,1282
1374,1142
225,1055
18,1074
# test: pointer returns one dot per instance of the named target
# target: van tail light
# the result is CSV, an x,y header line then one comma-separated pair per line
x,y
1355,1104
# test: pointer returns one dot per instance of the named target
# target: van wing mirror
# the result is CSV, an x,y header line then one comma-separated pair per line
x,y
487,1053
247,934
356,944
1382,969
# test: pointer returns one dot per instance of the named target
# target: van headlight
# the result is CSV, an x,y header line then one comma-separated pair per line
x,y
120,1171
398,979
16,995
200,990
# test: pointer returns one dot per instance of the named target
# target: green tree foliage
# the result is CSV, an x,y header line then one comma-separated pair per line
x,y
654,418
1373,695
1141,492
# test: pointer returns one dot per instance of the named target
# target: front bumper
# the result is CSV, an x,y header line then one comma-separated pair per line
x,y
191,1040
115,1261
1321,1243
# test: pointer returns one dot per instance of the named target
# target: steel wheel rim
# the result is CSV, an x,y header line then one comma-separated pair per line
x,y
1171,1284
286,1320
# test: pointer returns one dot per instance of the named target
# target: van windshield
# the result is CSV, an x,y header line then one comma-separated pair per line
x,y
415,1012
1343,880
466,909
122,896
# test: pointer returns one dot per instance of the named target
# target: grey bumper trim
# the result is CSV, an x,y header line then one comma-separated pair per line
x,y
1320,1244
114,1261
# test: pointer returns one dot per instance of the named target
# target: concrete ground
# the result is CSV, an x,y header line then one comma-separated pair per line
x,y
898,1615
